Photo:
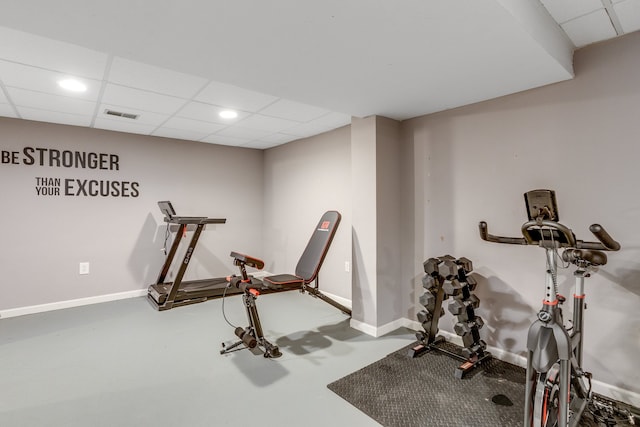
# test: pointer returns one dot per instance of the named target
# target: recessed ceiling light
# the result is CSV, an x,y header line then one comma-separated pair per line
x,y
72,85
228,114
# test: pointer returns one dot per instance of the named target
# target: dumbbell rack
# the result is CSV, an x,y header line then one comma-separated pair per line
x,y
447,277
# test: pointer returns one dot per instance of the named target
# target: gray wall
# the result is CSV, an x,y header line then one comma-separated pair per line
x,y
376,195
579,138
388,193
302,180
455,168
364,232
46,237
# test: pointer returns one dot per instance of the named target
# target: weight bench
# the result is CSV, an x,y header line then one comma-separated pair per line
x,y
305,274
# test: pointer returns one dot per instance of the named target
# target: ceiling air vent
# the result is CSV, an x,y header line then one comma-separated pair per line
x,y
120,114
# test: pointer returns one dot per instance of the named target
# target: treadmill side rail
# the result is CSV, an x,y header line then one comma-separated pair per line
x,y
166,295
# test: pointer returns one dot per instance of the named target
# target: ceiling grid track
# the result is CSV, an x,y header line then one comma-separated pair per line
x,y
283,90
103,86
613,16
11,103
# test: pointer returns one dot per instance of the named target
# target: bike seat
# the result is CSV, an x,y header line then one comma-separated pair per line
x,y
590,256
239,258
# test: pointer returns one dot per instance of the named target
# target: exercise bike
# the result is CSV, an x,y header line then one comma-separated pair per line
x,y
556,393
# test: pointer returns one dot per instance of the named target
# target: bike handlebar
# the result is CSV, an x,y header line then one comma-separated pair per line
x,y
484,235
606,242
604,237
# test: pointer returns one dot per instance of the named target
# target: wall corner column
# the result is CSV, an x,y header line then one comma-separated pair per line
x,y
376,220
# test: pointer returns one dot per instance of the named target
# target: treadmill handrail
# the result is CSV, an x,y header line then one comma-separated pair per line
x,y
194,220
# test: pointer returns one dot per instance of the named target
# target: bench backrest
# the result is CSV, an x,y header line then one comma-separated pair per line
x,y
313,255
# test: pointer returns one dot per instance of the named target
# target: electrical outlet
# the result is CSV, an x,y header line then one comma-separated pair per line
x,y
347,266
84,268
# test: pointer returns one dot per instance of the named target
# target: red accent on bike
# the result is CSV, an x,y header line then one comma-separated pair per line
x,y
544,407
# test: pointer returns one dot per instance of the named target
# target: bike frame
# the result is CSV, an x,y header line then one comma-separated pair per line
x,y
554,356
548,344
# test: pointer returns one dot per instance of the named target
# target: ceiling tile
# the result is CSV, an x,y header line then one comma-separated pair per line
x,y
504,60
323,124
208,113
51,54
179,134
225,140
243,133
565,10
334,120
273,124
38,79
7,110
278,138
306,129
290,110
154,79
46,101
122,126
53,117
144,117
628,12
260,145
590,28
193,125
229,96
141,99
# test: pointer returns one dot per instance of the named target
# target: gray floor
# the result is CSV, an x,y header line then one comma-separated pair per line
x,y
124,364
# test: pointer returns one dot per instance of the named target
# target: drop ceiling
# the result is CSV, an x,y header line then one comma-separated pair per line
x,y
291,69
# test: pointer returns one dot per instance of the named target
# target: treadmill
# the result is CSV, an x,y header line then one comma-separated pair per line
x,y
166,295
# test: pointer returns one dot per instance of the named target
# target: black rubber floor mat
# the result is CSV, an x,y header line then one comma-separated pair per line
x,y
400,391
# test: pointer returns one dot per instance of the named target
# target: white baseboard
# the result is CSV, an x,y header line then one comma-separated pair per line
x,y
41,308
33,309
363,327
616,393
378,331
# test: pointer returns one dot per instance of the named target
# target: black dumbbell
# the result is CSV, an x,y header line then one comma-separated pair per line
x,y
431,266
428,282
474,301
474,349
428,300
448,269
462,328
471,351
472,283
479,322
466,264
424,316
452,287
456,307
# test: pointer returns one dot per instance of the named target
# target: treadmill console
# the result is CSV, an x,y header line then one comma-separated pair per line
x,y
167,209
